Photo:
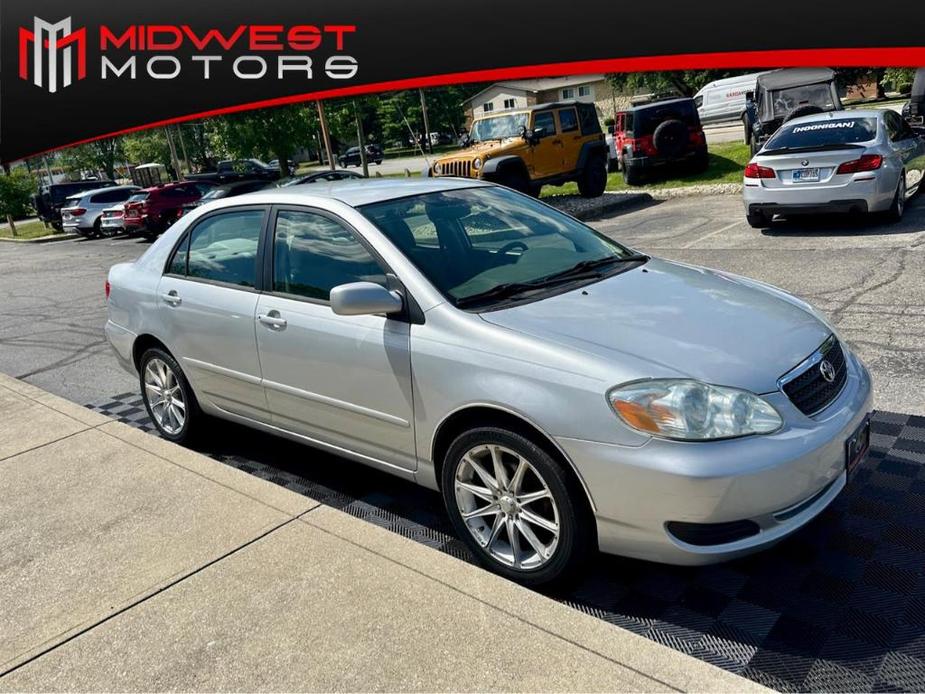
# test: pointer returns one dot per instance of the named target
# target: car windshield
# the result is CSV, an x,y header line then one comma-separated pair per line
x,y
783,101
499,127
214,194
824,133
479,246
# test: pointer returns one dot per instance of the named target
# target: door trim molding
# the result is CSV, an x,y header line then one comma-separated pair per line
x,y
340,404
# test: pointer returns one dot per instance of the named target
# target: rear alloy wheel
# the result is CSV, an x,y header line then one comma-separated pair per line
x,y
593,179
895,213
167,395
510,503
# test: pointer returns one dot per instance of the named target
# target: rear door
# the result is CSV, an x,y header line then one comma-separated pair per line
x,y
570,135
207,301
341,380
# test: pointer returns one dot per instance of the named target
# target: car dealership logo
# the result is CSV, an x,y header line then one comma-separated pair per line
x,y
827,370
56,48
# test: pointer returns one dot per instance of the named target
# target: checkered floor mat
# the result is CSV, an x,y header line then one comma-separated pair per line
x,y
839,606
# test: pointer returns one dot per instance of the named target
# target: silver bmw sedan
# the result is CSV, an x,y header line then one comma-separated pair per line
x,y
841,161
562,391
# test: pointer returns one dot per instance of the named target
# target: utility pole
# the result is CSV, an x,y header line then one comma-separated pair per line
x,y
430,147
173,153
183,148
361,138
326,136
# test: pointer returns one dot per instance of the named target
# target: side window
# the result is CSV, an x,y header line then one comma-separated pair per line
x,y
568,120
546,121
312,254
177,264
223,248
590,124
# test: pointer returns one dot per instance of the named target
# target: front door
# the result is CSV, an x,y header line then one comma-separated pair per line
x,y
207,300
342,380
547,152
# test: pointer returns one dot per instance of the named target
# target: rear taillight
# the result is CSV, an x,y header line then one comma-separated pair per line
x,y
107,290
698,137
754,170
77,211
868,162
642,145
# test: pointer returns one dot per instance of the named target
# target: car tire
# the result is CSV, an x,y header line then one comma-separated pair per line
x,y
898,206
97,229
593,179
516,180
700,163
535,542
632,175
176,420
748,131
758,220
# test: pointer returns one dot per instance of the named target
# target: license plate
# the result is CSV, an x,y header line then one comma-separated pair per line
x,y
857,445
802,175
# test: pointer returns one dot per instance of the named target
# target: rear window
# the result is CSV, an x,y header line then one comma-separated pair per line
x,y
825,133
648,119
138,197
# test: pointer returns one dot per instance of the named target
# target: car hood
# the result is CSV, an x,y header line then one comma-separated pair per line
x,y
668,319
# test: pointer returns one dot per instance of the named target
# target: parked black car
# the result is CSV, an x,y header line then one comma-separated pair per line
x,y
49,199
914,109
781,95
228,190
231,170
658,135
318,177
352,156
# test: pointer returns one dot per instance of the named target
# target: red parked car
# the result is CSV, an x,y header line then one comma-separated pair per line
x,y
152,210
653,136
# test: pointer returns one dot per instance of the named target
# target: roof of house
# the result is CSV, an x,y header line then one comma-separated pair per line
x,y
535,86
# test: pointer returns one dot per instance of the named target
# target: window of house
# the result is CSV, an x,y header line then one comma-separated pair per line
x,y
508,103
488,107
584,91
568,93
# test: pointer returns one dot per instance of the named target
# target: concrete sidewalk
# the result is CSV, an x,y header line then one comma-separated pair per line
x,y
130,564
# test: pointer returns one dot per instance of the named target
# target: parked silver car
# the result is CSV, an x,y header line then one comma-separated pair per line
x,y
561,390
83,212
111,220
841,161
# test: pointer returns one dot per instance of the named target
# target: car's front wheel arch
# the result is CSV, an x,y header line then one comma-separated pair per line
x,y
478,416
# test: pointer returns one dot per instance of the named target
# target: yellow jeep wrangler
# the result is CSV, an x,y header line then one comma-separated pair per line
x,y
525,149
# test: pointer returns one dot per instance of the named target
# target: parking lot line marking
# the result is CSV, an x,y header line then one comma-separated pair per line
x,y
712,233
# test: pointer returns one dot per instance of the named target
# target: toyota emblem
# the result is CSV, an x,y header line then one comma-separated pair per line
x,y
805,162
827,370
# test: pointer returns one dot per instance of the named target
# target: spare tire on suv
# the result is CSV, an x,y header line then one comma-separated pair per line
x,y
804,110
671,138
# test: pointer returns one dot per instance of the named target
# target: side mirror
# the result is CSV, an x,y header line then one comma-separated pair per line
x,y
535,135
364,299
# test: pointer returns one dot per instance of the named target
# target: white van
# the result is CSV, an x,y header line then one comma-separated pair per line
x,y
724,100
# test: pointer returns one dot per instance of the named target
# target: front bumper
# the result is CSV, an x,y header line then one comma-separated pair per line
x,y
779,482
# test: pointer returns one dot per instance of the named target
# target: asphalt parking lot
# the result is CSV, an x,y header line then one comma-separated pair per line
x,y
838,607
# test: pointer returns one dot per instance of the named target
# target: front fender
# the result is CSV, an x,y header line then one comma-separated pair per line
x,y
494,166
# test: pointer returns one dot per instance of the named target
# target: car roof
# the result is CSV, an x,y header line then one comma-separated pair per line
x,y
794,77
94,191
838,115
659,102
356,193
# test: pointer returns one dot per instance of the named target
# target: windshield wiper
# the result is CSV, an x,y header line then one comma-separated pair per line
x,y
586,269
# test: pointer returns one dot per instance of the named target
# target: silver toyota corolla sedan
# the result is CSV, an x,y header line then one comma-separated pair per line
x,y
842,161
562,391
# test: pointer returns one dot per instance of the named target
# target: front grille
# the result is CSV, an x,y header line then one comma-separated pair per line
x,y
808,389
460,168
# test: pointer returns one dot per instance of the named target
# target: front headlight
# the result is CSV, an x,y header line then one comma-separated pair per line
x,y
438,168
476,163
689,410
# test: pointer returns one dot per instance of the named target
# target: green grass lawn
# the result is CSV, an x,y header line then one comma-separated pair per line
x,y
27,230
727,162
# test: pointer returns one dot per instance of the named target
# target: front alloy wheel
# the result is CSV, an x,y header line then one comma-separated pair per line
x,y
507,506
515,506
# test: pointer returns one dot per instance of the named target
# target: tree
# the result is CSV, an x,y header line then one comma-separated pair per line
x,y
99,157
16,189
681,82
264,132
147,147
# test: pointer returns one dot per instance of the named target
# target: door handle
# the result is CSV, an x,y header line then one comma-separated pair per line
x,y
172,298
273,321
557,141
